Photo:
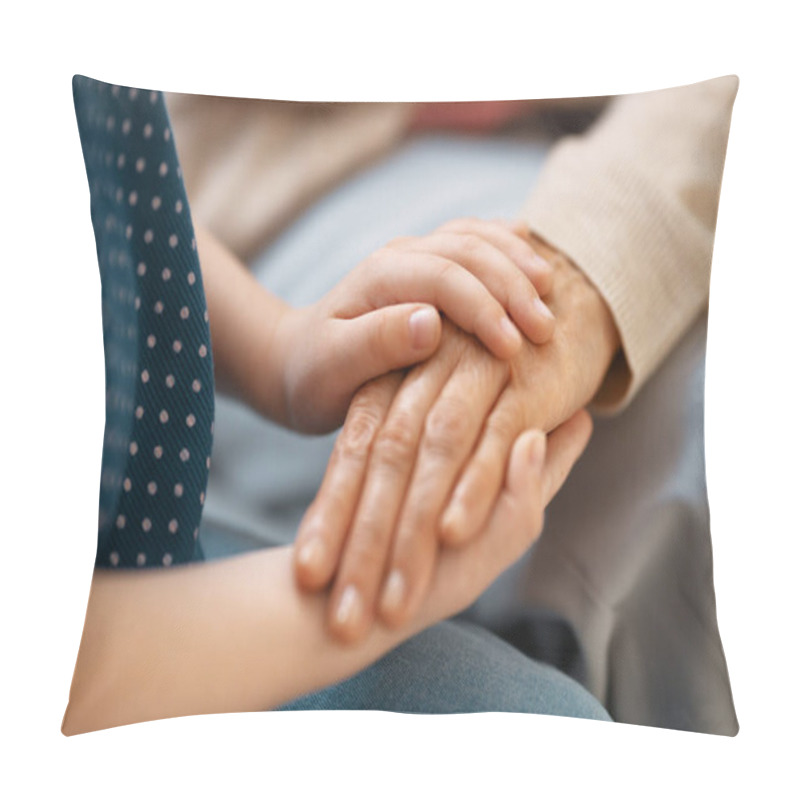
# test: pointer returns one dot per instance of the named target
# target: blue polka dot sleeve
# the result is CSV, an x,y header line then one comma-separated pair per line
x,y
159,373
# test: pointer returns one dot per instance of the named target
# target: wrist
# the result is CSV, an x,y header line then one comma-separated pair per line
x,y
267,386
257,364
285,354
580,307
244,318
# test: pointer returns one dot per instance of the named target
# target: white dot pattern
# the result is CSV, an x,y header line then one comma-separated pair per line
x,y
159,398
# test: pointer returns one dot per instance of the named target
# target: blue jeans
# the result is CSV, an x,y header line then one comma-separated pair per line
x,y
454,668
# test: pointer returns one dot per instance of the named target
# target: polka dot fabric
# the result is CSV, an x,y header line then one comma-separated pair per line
x,y
159,373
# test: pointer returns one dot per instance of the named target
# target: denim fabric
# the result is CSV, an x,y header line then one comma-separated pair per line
x,y
454,668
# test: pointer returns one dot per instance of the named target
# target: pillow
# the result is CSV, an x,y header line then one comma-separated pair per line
x,y
618,593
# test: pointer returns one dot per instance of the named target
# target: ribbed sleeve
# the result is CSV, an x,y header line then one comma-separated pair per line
x,y
633,202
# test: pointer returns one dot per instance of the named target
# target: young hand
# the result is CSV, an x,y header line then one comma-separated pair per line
x,y
383,315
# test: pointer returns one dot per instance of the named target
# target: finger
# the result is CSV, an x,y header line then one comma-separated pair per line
x,y
400,276
517,226
480,483
353,600
515,522
450,432
522,230
323,529
378,342
513,240
536,472
522,494
497,272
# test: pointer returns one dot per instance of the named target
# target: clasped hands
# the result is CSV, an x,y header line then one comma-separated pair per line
x,y
439,477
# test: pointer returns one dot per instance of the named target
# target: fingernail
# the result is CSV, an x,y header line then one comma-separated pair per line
x,y
311,554
541,309
536,450
395,591
423,325
509,331
349,609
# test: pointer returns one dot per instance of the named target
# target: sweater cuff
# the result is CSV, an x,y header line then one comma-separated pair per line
x,y
633,203
638,247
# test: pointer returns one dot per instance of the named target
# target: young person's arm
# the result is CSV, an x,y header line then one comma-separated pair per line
x,y
301,367
237,635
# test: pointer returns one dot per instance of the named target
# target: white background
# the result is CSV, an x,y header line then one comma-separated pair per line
x,y
52,397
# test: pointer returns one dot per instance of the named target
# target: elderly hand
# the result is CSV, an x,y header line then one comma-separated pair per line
x,y
422,459
537,468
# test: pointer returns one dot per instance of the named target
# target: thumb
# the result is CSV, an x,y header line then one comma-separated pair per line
x,y
540,464
518,515
525,467
385,340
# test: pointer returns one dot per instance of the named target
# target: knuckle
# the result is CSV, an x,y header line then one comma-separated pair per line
x,y
370,396
504,424
470,244
446,270
447,427
381,259
356,438
478,368
396,443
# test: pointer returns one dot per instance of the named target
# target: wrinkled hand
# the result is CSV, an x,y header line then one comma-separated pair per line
x,y
373,321
535,474
378,518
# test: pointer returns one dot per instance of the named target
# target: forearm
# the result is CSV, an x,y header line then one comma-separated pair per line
x,y
225,636
633,202
244,318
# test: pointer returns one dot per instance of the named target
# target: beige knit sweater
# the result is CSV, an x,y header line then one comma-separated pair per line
x,y
633,201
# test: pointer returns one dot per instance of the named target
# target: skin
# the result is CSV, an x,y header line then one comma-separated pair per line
x,y
424,465
237,634
301,367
